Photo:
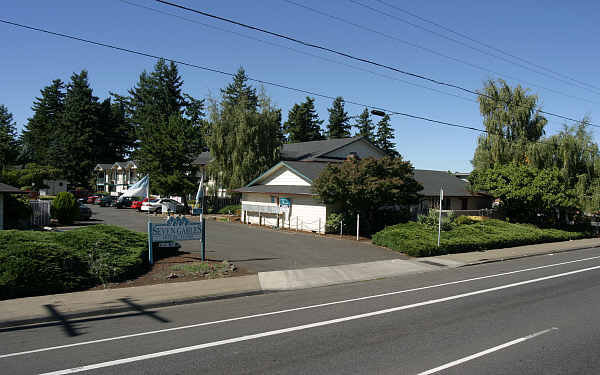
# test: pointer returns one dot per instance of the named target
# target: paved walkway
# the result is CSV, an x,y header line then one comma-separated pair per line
x,y
71,305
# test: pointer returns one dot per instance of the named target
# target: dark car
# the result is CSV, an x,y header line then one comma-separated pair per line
x,y
85,213
125,202
105,201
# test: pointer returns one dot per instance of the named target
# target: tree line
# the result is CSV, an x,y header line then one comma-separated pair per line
x,y
538,178
164,129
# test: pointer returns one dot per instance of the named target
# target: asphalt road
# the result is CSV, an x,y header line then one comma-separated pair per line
x,y
538,315
259,249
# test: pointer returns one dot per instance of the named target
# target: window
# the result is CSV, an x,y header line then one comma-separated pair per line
x,y
60,184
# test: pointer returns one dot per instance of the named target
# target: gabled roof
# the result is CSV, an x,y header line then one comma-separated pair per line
x,y
452,185
277,189
120,164
318,150
103,166
4,188
308,171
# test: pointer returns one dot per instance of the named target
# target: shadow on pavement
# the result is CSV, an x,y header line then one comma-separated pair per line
x,y
70,326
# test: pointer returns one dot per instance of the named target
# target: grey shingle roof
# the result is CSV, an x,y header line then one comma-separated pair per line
x,y
277,189
433,180
309,150
4,188
202,159
104,166
310,169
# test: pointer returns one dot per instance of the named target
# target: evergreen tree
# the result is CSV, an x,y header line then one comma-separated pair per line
x,y
245,138
239,90
42,128
384,139
339,126
365,126
168,126
512,119
72,148
9,144
303,124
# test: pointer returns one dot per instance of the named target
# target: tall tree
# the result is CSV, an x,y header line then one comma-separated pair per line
x,y
339,125
365,126
384,138
239,90
168,127
245,138
512,119
41,129
9,144
303,124
72,149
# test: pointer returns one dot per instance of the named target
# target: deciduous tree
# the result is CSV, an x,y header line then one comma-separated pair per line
x,y
364,186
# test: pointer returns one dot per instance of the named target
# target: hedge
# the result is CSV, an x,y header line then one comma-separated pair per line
x,y
36,263
421,240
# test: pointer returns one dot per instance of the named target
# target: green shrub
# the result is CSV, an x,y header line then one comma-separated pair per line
x,y
333,222
233,208
387,217
35,262
421,240
433,217
65,208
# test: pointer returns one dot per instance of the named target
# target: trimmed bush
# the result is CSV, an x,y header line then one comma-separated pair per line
x,y
234,208
34,263
65,208
417,239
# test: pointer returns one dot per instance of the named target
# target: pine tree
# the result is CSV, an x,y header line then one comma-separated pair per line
x,y
384,139
72,150
365,125
240,90
303,124
9,144
339,126
168,126
41,129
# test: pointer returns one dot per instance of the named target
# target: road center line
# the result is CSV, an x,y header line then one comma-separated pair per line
x,y
289,310
307,326
485,352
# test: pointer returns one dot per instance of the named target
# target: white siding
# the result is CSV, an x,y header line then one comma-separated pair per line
x,y
360,147
285,177
305,214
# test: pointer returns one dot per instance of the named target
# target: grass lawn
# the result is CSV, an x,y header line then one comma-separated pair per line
x,y
421,240
36,263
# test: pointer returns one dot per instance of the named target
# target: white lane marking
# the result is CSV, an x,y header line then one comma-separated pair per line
x,y
306,326
289,310
485,352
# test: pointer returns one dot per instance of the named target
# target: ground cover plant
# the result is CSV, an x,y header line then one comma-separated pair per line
x,y
418,239
35,262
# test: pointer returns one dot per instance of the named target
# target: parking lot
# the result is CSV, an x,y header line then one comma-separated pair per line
x,y
258,249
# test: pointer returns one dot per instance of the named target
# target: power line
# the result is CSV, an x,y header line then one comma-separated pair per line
x,y
364,60
432,51
469,46
297,51
483,44
316,94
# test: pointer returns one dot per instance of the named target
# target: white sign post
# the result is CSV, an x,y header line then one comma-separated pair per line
x,y
440,218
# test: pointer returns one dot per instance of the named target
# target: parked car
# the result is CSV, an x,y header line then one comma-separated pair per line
x,y
125,202
105,201
138,204
92,198
85,213
156,205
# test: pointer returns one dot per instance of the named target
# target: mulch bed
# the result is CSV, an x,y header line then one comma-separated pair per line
x,y
162,272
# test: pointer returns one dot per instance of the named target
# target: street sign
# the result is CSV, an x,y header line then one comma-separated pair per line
x,y
176,229
285,202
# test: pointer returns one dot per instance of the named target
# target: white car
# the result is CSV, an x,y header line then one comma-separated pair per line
x,y
162,205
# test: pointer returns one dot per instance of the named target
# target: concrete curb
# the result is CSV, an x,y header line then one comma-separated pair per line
x,y
528,255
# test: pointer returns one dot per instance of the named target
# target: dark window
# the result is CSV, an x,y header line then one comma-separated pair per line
x,y
465,204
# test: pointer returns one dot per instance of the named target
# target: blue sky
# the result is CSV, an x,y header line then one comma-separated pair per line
x,y
559,35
